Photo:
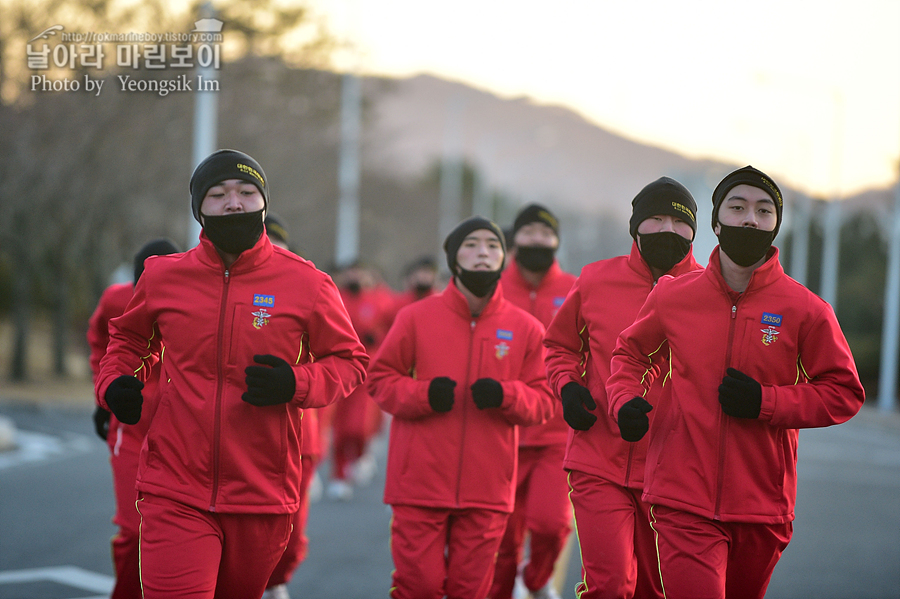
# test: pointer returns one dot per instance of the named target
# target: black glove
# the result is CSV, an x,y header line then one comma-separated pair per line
x,y
440,393
740,395
633,421
101,422
487,393
575,398
123,396
269,386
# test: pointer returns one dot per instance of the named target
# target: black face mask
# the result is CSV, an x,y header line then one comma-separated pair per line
x,y
535,258
480,282
353,287
664,250
745,245
234,233
422,288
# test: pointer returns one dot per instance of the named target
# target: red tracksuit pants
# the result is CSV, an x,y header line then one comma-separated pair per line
x,y
350,431
444,552
618,550
123,460
298,544
543,509
195,554
706,559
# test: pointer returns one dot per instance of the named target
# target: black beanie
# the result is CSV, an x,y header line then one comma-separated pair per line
x,y
423,262
276,227
747,176
157,247
221,166
535,213
462,230
663,196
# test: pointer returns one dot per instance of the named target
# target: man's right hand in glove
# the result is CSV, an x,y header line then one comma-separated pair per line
x,y
576,401
123,396
633,420
440,393
101,422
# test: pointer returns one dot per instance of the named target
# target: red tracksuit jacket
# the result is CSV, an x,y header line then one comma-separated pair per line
x,y
467,457
580,340
543,303
112,304
701,460
206,447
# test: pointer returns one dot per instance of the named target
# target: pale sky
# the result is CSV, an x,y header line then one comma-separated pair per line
x,y
774,83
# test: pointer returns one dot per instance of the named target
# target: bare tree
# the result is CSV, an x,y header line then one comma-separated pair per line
x,y
78,175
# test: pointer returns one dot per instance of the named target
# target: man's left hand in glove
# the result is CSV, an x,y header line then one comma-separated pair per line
x,y
271,384
740,395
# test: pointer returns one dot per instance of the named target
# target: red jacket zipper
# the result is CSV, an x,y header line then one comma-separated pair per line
x,y
220,362
462,445
723,420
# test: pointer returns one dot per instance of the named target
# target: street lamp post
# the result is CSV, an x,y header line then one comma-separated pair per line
x,y
206,111
887,378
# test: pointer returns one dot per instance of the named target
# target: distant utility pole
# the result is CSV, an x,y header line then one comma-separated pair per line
x,y
451,173
482,198
831,232
347,239
482,202
831,245
887,377
800,239
206,112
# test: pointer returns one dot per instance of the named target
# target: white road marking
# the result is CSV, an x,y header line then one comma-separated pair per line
x,y
77,578
35,447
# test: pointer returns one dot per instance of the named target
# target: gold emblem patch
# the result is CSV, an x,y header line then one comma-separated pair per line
x,y
261,318
770,335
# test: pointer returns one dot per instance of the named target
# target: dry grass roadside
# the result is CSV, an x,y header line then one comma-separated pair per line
x,y
42,386
53,392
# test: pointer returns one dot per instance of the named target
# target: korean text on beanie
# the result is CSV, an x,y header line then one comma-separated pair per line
x,y
462,230
221,166
664,196
747,176
535,213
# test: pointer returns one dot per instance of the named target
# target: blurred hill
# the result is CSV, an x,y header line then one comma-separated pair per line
x,y
86,181
550,154
112,171
536,152
530,153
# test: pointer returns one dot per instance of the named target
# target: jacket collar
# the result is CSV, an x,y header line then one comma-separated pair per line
x,y
515,272
458,302
637,263
769,272
248,260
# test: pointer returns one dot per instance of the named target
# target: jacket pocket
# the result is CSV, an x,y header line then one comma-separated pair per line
x,y
257,330
495,360
240,318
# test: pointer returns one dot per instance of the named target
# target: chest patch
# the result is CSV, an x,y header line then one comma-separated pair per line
x,y
260,318
502,349
266,301
772,319
770,333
